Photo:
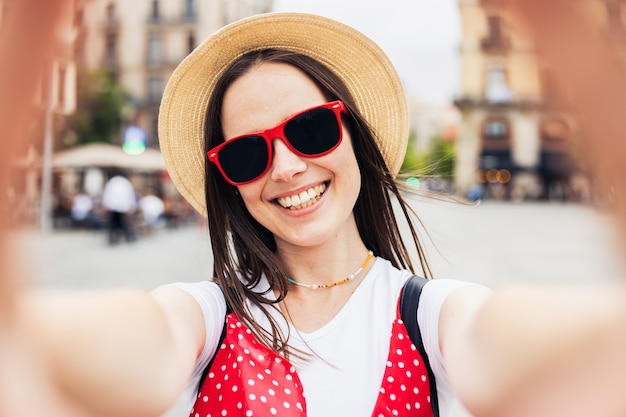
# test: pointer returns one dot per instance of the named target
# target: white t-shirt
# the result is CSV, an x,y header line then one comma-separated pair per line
x,y
119,195
352,349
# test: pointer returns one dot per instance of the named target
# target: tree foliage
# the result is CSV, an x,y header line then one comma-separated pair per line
x,y
438,161
100,101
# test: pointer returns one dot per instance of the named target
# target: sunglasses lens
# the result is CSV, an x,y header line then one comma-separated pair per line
x,y
314,132
311,133
244,159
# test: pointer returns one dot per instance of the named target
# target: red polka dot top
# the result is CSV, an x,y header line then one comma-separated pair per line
x,y
247,379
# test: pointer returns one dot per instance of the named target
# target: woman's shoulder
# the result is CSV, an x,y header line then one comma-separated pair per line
x,y
198,286
385,273
206,293
384,268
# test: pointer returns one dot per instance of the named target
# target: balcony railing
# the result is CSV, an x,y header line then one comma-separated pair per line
x,y
172,20
495,44
467,102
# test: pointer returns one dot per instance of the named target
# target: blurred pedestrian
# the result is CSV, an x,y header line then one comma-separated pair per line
x,y
152,208
120,201
82,211
28,31
475,192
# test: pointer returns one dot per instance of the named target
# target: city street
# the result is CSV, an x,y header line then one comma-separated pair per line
x,y
491,243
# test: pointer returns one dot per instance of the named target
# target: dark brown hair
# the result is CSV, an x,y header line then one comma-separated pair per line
x,y
243,250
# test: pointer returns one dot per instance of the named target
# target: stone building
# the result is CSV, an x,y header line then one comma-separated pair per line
x,y
513,140
142,42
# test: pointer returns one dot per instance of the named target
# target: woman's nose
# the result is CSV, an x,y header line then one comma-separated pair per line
x,y
285,163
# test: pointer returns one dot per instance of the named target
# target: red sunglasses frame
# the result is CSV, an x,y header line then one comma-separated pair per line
x,y
278,132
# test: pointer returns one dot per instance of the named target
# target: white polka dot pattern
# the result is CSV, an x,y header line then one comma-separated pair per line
x,y
248,379
405,390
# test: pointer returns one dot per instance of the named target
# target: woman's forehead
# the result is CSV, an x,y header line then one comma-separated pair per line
x,y
265,96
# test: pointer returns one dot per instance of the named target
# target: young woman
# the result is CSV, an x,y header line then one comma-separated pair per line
x,y
286,131
304,197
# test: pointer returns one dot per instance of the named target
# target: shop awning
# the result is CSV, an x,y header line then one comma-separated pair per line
x,y
103,155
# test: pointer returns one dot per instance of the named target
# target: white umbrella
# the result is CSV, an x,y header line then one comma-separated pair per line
x,y
107,155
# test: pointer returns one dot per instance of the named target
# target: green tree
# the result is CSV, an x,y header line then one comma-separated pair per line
x,y
438,161
98,116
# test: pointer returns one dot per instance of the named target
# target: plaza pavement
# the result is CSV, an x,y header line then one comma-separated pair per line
x,y
491,243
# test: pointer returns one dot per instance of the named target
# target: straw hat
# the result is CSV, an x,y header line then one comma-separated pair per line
x,y
357,60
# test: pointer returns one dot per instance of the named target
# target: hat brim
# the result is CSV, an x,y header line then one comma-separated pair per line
x,y
362,65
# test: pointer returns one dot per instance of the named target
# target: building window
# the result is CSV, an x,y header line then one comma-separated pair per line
x,y
110,53
496,86
110,13
155,88
496,133
554,134
154,49
191,42
155,10
496,129
62,74
496,39
154,136
494,24
189,9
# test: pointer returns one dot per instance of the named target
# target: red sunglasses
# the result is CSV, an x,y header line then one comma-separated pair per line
x,y
310,133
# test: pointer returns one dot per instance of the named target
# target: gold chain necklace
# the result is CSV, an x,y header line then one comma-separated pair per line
x,y
350,277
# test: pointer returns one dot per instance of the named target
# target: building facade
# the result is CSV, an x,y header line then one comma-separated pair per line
x,y
141,42
514,140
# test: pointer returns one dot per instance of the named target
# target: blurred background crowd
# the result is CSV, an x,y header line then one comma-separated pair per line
x,y
503,135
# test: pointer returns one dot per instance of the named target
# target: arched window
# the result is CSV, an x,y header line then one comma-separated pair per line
x,y
496,85
110,13
154,49
190,11
155,88
156,13
496,133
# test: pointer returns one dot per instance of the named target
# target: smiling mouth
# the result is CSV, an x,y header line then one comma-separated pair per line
x,y
303,199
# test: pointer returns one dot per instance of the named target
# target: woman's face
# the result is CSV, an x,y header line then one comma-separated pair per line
x,y
262,98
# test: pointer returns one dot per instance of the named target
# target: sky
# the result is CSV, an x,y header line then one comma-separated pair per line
x,y
421,37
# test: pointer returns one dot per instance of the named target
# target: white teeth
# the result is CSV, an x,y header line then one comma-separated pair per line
x,y
304,199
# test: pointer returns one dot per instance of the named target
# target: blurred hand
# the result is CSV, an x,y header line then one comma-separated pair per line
x,y
27,36
589,71
588,68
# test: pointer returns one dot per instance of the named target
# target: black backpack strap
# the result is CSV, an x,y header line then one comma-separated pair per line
x,y
409,301
222,337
